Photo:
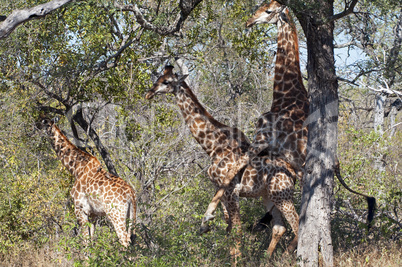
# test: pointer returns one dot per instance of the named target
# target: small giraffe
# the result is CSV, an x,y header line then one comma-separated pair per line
x,y
95,191
273,180
281,131
222,143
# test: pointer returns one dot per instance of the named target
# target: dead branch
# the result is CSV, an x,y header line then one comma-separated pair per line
x,y
18,17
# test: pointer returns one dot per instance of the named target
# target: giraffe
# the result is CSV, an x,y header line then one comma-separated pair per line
x,y
273,180
95,191
281,132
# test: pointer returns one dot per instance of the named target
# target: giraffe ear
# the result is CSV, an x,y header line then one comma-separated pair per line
x,y
168,70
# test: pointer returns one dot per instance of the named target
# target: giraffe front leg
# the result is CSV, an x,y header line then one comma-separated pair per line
x,y
232,205
209,214
83,221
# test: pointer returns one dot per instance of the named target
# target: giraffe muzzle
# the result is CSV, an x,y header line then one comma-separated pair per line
x,y
150,95
250,22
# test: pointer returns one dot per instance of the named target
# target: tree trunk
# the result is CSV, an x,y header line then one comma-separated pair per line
x,y
318,181
379,112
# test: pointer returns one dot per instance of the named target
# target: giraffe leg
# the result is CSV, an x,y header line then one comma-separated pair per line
x,y
286,207
289,212
280,191
119,220
232,205
83,221
225,213
277,231
131,220
210,210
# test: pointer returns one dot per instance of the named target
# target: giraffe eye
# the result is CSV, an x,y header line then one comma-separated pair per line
x,y
165,82
268,11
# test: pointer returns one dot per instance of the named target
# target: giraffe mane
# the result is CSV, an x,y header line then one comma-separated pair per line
x,y
88,155
296,43
203,111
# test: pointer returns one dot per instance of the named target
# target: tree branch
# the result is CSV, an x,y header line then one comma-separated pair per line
x,y
348,10
393,54
20,16
186,6
382,90
79,118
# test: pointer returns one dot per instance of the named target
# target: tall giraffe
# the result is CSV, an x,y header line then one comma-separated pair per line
x,y
280,132
95,191
273,180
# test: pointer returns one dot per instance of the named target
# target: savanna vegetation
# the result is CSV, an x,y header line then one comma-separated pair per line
x,y
90,63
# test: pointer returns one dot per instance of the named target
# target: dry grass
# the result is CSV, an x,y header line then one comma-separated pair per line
x,y
46,256
374,255
381,255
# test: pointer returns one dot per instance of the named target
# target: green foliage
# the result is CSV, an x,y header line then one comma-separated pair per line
x,y
359,150
76,54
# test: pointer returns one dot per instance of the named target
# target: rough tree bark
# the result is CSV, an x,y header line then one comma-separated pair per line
x,y
379,112
317,20
315,228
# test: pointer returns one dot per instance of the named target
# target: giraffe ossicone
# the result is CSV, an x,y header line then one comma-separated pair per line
x,y
95,191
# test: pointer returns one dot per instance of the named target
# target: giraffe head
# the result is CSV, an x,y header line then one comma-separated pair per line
x,y
268,13
45,123
169,82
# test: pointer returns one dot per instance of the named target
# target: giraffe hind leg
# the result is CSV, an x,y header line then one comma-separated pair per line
x,y
288,210
277,230
131,213
233,208
119,223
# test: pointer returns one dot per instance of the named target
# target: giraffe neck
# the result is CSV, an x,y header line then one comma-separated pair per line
x,y
74,159
288,82
201,123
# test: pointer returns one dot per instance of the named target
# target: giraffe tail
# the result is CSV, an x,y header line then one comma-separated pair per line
x,y
371,202
131,215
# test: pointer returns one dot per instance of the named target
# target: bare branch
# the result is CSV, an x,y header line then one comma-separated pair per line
x,y
79,118
20,16
351,43
348,10
186,6
381,89
347,81
50,94
48,109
